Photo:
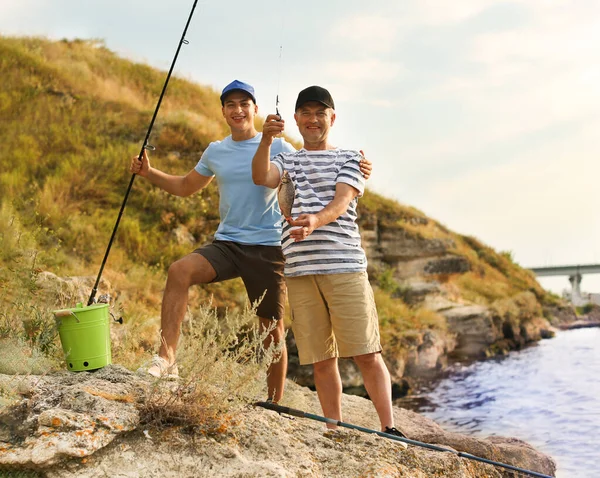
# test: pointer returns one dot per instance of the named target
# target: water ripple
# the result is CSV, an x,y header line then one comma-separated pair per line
x,y
547,395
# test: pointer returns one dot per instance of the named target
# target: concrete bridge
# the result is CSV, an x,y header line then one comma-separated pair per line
x,y
574,273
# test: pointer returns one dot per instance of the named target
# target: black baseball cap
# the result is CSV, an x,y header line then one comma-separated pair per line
x,y
315,93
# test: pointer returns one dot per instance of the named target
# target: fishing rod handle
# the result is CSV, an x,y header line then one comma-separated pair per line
x,y
278,408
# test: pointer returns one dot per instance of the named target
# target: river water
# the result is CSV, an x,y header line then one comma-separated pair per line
x,y
547,395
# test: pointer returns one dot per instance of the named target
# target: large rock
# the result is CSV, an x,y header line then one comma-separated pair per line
x,y
70,290
431,353
416,291
561,314
480,332
407,253
71,425
68,415
474,327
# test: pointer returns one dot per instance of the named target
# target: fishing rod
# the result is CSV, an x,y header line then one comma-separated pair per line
x,y
145,146
279,63
299,413
278,83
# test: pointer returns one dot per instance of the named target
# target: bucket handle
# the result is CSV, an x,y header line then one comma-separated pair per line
x,y
65,313
119,320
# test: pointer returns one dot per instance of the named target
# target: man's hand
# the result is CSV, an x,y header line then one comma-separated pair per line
x,y
365,166
274,126
304,225
138,167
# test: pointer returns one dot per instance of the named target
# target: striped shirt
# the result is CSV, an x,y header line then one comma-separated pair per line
x,y
335,247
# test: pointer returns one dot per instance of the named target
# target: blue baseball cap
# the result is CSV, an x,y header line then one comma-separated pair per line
x,y
237,85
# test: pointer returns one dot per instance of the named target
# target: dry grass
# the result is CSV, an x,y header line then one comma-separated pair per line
x,y
222,365
20,358
474,288
27,329
398,322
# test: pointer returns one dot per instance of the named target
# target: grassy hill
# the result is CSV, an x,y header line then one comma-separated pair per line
x,y
72,113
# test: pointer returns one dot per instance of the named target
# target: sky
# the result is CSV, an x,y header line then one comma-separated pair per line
x,y
483,114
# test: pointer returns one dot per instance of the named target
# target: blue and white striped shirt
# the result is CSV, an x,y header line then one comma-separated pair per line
x,y
335,247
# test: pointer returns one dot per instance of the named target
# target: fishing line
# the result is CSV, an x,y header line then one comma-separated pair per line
x,y
145,146
299,413
280,60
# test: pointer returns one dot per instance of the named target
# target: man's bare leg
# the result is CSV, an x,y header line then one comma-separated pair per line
x,y
379,387
278,368
187,271
329,388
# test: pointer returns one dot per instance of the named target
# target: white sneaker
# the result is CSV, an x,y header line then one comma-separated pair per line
x,y
160,368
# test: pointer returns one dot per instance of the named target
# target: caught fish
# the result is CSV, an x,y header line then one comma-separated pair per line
x,y
285,195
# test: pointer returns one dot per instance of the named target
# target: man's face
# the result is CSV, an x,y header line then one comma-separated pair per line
x,y
239,111
314,121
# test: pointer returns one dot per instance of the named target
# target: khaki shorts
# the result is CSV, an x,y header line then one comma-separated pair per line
x,y
333,315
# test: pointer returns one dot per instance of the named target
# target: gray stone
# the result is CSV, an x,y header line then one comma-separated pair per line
x,y
448,265
474,328
415,291
69,415
183,236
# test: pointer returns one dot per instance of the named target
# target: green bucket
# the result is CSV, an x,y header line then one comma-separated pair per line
x,y
85,336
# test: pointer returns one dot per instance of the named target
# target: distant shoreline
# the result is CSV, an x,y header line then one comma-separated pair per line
x,y
579,324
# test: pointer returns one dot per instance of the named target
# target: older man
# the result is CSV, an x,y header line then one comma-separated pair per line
x,y
333,309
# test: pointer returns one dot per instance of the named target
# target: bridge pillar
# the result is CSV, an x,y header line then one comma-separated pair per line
x,y
575,281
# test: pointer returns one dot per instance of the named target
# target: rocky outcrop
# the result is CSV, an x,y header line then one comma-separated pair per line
x,y
430,353
561,314
407,253
474,327
87,424
66,415
565,316
481,331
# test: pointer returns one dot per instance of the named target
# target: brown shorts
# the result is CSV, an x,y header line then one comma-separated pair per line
x,y
333,315
260,267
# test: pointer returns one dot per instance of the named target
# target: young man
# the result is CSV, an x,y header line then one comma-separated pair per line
x,y
247,242
333,309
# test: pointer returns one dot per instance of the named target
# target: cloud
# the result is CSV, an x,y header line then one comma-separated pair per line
x,y
504,86
542,203
370,71
436,13
365,33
